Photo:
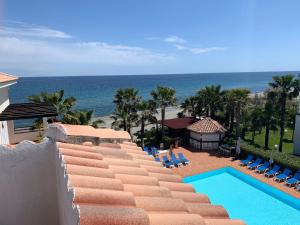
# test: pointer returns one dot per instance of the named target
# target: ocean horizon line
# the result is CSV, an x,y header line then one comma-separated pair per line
x,y
160,74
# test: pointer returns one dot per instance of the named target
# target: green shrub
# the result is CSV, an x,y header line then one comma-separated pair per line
x,y
167,141
281,158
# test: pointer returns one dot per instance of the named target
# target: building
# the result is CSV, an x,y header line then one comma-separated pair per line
x,y
5,82
55,182
178,128
206,134
11,112
297,133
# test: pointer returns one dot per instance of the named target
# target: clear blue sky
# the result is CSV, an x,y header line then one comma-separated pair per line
x,y
93,37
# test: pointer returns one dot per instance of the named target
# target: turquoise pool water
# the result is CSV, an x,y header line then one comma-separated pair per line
x,y
247,198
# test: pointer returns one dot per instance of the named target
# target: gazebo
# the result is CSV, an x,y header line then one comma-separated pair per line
x,y
206,134
178,127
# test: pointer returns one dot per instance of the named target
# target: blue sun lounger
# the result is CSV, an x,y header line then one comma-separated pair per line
x,y
154,151
294,180
273,172
157,159
263,168
167,162
176,161
183,159
283,176
255,164
244,162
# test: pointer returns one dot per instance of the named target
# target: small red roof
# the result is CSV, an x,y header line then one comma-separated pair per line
x,y
180,123
4,77
207,125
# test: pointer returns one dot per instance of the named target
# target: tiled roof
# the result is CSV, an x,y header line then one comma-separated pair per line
x,y
179,123
89,131
119,184
207,125
6,78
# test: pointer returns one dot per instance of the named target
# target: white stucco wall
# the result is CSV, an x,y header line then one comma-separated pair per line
x,y
68,212
4,102
28,185
18,137
34,186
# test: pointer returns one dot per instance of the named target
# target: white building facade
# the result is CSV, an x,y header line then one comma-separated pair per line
x,y
5,82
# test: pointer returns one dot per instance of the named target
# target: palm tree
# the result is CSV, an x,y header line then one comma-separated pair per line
x,y
235,102
63,106
81,118
256,121
269,116
163,97
125,114
189,105
145,115
212,99
287,88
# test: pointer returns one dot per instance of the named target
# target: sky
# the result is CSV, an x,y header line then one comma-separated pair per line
x,y
116,37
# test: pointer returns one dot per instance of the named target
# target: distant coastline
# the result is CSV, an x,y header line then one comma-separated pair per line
x,y
97,92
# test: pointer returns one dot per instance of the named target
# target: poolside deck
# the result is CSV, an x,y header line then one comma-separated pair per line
x,y
206,161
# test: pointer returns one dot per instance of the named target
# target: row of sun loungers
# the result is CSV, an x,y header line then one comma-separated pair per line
x,y
174,161
264,167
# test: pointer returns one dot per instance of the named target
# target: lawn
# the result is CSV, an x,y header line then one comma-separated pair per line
x,y
274,139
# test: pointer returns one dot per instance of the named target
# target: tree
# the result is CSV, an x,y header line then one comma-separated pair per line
x,y
211,97
146,113
270,116
287,88
63,106
189,106
163,97
235,101
125,113
256,121
82,118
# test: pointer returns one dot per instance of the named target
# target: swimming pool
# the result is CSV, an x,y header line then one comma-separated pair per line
x,y
247,198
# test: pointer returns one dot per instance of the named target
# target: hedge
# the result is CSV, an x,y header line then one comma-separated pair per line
x,y
281,158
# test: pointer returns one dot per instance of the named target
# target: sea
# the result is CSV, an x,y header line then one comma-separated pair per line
x,y
97,92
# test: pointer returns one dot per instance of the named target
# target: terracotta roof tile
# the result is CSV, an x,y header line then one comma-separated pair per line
x,y
4,77
104,197
89,131
176,219
110,215
142,190
190,196
135,179
123,189
90,171
95,182
85,162
207,125
207,210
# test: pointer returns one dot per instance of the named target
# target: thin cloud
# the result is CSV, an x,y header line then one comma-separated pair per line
x,y
16,28
175,39
198,51
205,50
40,56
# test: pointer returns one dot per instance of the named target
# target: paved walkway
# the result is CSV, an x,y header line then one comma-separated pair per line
x,y
206,161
